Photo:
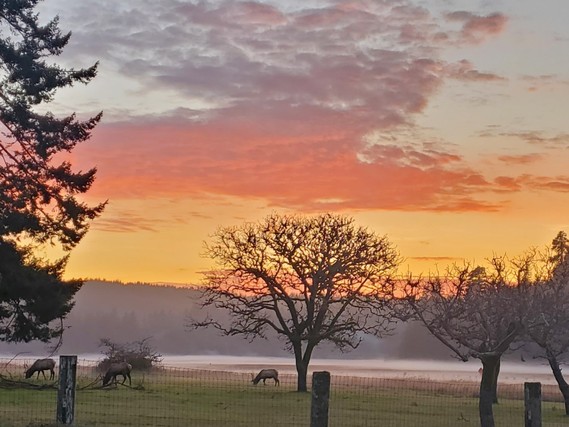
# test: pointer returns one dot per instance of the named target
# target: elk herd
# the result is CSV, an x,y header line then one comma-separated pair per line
x,y
124,369
114,370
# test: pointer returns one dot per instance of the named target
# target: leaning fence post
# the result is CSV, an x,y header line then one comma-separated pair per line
x,y
66,390
532,397
320,399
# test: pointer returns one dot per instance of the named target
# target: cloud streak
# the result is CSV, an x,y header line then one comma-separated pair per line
x,y
294,168
521,159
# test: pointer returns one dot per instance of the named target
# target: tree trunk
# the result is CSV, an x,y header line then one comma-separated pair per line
x,y
302,372
487,389
301,367
302,361
495,384
563,386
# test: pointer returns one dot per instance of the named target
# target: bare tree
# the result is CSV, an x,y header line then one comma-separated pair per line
x,y
307,279
548,323
476,312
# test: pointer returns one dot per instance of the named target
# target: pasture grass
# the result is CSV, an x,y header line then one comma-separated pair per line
x,y
192,398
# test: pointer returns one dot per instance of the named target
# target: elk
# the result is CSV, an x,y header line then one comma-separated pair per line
x,y
116,369
42,365
265,374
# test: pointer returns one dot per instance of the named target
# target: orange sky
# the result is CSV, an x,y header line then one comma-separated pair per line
x,y
441,124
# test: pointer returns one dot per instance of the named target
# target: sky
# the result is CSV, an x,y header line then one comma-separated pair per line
x,y
441,124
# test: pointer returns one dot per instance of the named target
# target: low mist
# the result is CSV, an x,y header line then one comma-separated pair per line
x,y
131,312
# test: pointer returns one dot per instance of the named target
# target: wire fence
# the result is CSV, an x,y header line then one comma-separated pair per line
x,y
190,397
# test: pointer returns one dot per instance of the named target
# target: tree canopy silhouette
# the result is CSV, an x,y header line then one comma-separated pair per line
x,y
477,312
39,190
307,279
547,324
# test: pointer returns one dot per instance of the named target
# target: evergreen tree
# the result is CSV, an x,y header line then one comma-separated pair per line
x,y
39,190
32,296
560,248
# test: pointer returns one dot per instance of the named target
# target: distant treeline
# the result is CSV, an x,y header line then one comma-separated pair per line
x,y
133,311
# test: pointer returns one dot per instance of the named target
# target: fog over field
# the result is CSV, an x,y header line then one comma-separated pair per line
x,y
126,313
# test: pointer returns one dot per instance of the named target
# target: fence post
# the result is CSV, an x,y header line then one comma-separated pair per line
x,y
320,399
532,398
66,390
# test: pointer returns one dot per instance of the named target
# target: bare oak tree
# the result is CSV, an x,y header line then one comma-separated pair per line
x,y
307,279
476,312
548,322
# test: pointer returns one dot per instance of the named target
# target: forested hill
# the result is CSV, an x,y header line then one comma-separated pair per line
x,y
129,312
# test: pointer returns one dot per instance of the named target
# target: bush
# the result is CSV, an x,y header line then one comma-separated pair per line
x,y
139,354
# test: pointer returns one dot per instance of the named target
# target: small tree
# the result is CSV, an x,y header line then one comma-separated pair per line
x,y
307,279
476,312
38,188
140,354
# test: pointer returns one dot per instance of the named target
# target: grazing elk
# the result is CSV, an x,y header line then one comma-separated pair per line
x,y
265,374
42,365
116,369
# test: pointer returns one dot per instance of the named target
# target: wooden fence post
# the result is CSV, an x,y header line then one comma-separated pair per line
x,y
66,390
532,398
320,399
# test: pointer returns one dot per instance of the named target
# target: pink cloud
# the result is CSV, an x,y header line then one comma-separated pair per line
x,y
476,28
557,184
321,17
507,184
250,12
294,168
464,70
533,182
294,92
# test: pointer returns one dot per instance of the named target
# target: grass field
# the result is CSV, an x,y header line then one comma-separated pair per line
x,y
184,397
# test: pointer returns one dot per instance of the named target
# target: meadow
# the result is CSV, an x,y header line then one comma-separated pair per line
x,y
188,397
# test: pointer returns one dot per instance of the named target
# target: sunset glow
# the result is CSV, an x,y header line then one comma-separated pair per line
x,y
441,124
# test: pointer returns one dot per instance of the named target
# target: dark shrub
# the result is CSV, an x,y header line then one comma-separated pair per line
x,y
139,354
